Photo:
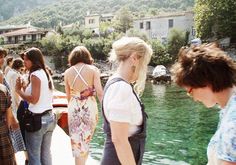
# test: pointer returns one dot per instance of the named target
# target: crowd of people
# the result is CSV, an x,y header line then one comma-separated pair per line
x,y
27,120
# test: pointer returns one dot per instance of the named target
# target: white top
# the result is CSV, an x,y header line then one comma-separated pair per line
x,y
45,99
11,77
121,105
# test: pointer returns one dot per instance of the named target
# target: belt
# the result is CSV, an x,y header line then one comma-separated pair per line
x,y
43,113
46,112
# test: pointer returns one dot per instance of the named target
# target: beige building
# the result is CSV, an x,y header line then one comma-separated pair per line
x,y
92,21
24,35
10,28
158,27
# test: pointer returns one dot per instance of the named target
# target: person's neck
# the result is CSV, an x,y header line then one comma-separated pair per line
x,y
224,96
125,72
79,64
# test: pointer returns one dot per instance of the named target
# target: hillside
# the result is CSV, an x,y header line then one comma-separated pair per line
x,y
50,13
11,8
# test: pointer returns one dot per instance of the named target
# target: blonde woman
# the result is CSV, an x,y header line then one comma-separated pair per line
x,y
82,84
123,111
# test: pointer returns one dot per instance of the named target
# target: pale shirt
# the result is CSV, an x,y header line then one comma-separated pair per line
x,y
121,105
222,145
46,95
11,77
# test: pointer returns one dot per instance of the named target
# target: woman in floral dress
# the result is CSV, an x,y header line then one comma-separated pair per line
x,y
82,84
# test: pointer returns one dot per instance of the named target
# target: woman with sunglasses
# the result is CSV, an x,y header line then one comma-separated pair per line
x,y
209,76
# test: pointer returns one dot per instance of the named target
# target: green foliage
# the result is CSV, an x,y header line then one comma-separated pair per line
x,y
136,33
105,29
50,13
97,47
51,44
160,55
176,40
123,20
1,40
215,18
10,8
59,29
59,47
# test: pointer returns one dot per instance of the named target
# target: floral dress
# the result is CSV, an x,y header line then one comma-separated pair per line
x,y
82,117
222,145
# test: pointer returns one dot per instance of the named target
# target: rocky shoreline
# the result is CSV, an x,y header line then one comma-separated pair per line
x,y
107,69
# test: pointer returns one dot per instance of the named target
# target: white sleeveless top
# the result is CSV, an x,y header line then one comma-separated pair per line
x,y
46,95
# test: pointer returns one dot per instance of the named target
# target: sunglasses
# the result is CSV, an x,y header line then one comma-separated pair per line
x,y
190,92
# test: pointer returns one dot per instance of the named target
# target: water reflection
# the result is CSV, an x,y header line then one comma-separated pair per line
x,y
178,128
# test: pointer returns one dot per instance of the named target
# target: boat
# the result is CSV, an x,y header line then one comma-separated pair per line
x,y
60,104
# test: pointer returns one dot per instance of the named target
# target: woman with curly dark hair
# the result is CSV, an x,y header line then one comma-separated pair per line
x,y
209,76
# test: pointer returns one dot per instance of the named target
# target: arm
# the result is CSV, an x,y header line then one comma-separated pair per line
x,y
98,85
35,93
222,162
119,132
11,121
67,87
12,85
1,78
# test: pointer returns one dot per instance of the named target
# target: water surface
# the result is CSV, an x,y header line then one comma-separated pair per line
x,y
178,128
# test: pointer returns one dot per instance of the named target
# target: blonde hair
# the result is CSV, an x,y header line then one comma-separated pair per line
x,y
124,47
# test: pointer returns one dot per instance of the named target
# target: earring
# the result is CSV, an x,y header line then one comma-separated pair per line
x,y
133,68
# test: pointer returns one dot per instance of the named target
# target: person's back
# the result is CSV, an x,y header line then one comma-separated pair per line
x,y
82,82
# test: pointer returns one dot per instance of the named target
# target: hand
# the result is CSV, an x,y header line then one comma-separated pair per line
x,y
12,124
11,120
18,84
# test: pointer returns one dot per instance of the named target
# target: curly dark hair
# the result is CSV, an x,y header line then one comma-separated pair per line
x,y
204,65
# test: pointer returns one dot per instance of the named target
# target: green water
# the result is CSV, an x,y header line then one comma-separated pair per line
x,y
178,128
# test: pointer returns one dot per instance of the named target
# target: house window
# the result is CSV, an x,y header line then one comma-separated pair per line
x,y
148,25
16,39
141,25
24,38
34,37
91,21
9,39
171,23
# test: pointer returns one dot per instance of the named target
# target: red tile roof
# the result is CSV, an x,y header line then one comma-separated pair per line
x,y
25,31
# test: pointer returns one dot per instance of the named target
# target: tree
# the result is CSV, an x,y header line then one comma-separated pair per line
x,y
59,29
176,39
160,55
215,19
137,33
123,20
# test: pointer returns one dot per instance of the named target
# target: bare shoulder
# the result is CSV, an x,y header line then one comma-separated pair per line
x,y
68,71
93,68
